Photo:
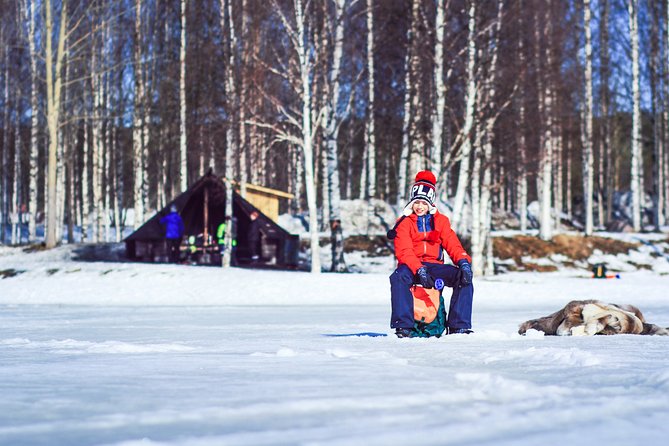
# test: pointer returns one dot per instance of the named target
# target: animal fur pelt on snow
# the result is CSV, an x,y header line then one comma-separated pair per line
x,y
593,317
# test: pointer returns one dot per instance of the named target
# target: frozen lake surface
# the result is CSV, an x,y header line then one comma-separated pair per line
x,y
126,354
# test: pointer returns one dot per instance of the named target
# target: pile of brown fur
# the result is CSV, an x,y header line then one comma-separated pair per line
x,y
593,317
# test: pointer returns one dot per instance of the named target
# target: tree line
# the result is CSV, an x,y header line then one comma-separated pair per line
x,y
109,106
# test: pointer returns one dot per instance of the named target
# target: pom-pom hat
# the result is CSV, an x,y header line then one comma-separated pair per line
x,y
424,188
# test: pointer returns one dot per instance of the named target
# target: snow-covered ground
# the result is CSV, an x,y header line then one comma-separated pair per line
x,y
100,353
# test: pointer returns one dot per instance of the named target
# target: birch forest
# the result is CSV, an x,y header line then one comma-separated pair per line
x,y
110,108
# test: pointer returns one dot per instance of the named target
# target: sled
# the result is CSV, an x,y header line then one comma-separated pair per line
x,y
368,334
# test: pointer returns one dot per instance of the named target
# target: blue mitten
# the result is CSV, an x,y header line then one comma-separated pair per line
x,y
424,278
466,273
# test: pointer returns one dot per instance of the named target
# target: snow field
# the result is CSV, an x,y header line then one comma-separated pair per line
x,y
134,354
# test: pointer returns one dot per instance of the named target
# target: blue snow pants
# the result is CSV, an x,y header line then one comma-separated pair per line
x,y
460,308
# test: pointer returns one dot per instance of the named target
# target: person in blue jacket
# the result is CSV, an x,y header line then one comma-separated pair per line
x,y
174,231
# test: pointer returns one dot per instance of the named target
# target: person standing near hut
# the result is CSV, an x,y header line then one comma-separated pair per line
x,y
253,236
221,233
174,231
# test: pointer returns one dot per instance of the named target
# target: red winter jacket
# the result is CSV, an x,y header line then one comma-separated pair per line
x,y
413,247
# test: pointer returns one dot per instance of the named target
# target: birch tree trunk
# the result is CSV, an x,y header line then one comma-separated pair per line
x,y
546,160
541,115
16,174
63,148
558,162
658,133
138,161
119,157
476,250
409,97
522,144
304,138
183,148
231,147
369,173
16,227
53,91
228,26
606,173
245,152
364,174
105,153
34,124
664,185
307,135
96,82
298,177
71,200
588,158
331,130
66,164
417,137
86,150
350,161
4,181
635,182
486,266
482,171
70,177
458,219
320,29
568,180
440,87
115,174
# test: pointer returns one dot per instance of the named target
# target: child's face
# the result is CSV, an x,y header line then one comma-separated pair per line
x,y
420,207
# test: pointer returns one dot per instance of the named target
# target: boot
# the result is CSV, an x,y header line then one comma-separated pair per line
x,y
403,333
460,331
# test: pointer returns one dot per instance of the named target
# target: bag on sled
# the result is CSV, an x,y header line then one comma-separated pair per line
x,y
429,312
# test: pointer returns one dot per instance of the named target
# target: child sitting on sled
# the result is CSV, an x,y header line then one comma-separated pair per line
x,y
421,236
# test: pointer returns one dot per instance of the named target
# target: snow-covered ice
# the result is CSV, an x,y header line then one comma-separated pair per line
x,y
102,353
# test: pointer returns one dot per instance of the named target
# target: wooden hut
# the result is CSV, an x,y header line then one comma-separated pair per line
x,y
264,198
202,208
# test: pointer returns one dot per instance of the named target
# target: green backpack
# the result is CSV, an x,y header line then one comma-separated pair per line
x,y
429,312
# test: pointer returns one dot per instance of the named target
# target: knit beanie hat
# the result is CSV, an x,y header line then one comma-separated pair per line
x,y
422,189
